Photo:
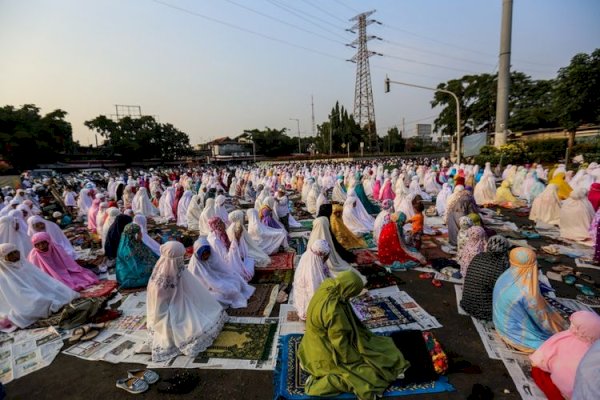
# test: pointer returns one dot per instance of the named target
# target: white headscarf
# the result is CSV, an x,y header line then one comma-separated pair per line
x,y
310,273
207,213
193,213
220,210
268,239
182,207
576,215
57,235
254,251
9,233
546,206
140,219
355,216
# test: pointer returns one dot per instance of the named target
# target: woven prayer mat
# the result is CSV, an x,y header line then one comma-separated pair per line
x,y
290,378
378,312
298,244
283,260
241,341
260,304
132,290
378,277
365,257
301,214
277,276
103,288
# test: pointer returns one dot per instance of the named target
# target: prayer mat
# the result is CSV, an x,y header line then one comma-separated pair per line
x,y
242,342
563,310
365,257
378,312
278,276
132,290
260,304
378,277
290,378
283,260
307,224
102,289
370,241
301,214
298,244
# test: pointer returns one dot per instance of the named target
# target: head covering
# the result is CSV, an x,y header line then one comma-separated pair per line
x,y
217,226
341,232
474,244
12,232
113,237
564,189
135,260
58,237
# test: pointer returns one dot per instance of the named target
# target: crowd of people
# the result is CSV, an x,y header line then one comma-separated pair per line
x,y
352,206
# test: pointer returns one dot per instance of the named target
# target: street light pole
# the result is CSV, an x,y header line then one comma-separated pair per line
x,y
298,122
253,145
454,96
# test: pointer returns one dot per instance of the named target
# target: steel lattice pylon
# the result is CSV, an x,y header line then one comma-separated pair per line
x,y
364,108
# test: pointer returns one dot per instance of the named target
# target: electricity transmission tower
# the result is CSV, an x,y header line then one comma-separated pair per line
x,y
364,109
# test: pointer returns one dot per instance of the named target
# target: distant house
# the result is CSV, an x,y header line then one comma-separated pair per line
x,y
227,149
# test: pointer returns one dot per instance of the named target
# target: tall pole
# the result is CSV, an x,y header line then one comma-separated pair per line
x,y
312,105
503,74
454,96
298,122
330,136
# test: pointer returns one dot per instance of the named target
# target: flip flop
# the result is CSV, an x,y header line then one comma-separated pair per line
x,y
426,275
585,277
91,334
569,279
78,333
146,374
133,385
436,283
586,290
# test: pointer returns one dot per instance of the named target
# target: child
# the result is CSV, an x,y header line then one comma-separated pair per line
x,y
417,222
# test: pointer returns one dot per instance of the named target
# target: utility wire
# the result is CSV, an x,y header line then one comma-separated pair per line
x,y
310,3
354,10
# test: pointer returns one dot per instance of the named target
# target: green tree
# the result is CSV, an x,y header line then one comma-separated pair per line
x,y
273,142
576,93
342,128
393,142
28,138
135,139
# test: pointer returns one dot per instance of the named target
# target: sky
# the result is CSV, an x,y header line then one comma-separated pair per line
x,y
215,68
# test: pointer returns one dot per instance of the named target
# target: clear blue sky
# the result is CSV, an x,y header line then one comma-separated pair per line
x,y
212,80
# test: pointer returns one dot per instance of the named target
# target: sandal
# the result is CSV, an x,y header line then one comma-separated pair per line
x,y
78,333
133,385
590,301
426,275
569,279
586,290
146,374
436,283
91,334
585,277
562,268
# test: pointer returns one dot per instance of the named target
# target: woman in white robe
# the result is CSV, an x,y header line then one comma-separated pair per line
x,y
37,224
182,315
406,205
165,204
310,273
205,216
321,200
193,213
261,259
576,215
140,219
26,293
233,187
220,210
339,195
141,204
260,199
442,199
100,217
267,238
11,232
228,289
112,212
485,190
546,207
182,207
84,202
306,188
311,199
223,248
416,189
356,218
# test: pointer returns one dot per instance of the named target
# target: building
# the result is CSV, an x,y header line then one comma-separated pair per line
x,y
424,132
227,149
585,132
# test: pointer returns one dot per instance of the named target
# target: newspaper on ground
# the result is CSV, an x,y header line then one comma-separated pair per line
x,y
458,289
490,339
574,304
518,366
25,351
439,276
289,321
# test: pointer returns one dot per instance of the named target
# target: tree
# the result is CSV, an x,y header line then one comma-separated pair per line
x,y
393,142
576,92
273,142
28,139
135,139
342,128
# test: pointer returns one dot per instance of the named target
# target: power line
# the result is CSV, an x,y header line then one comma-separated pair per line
x,y
324,11
430,64
239,28
284,22
435,53
354,10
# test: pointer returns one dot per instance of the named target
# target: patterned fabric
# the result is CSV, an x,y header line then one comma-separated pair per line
x,y
217,225
438,356
242,342
135,260
464,224
474,245
346,238
392,247
521,315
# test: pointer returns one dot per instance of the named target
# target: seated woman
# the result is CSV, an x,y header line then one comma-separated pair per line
x,y
505,198
39,224
11,232
220,210
563,188
135,260
182,316
588,375
355,216
310,273
326,211
223,248
475,244
359,191
481,276
382,218
26,293
207,213
268,214
338,352
113,237
228,289
142,222
344,235
112,214
576,215
246,244
522,317
391,243
268,239
561,354
53,260
546,207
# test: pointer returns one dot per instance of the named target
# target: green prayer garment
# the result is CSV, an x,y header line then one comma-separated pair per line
x,y
338,352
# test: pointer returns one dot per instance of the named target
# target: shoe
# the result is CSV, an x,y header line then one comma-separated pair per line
x,y
146,374
133,385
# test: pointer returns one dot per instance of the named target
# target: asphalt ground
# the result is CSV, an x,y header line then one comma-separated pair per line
x,y
72,378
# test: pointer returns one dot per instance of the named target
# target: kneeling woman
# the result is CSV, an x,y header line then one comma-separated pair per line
x,y
338,352
135,260
391,243
183,317
26,293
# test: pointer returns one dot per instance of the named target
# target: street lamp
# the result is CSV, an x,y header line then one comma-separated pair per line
x,y
458,135
253,145
298,122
